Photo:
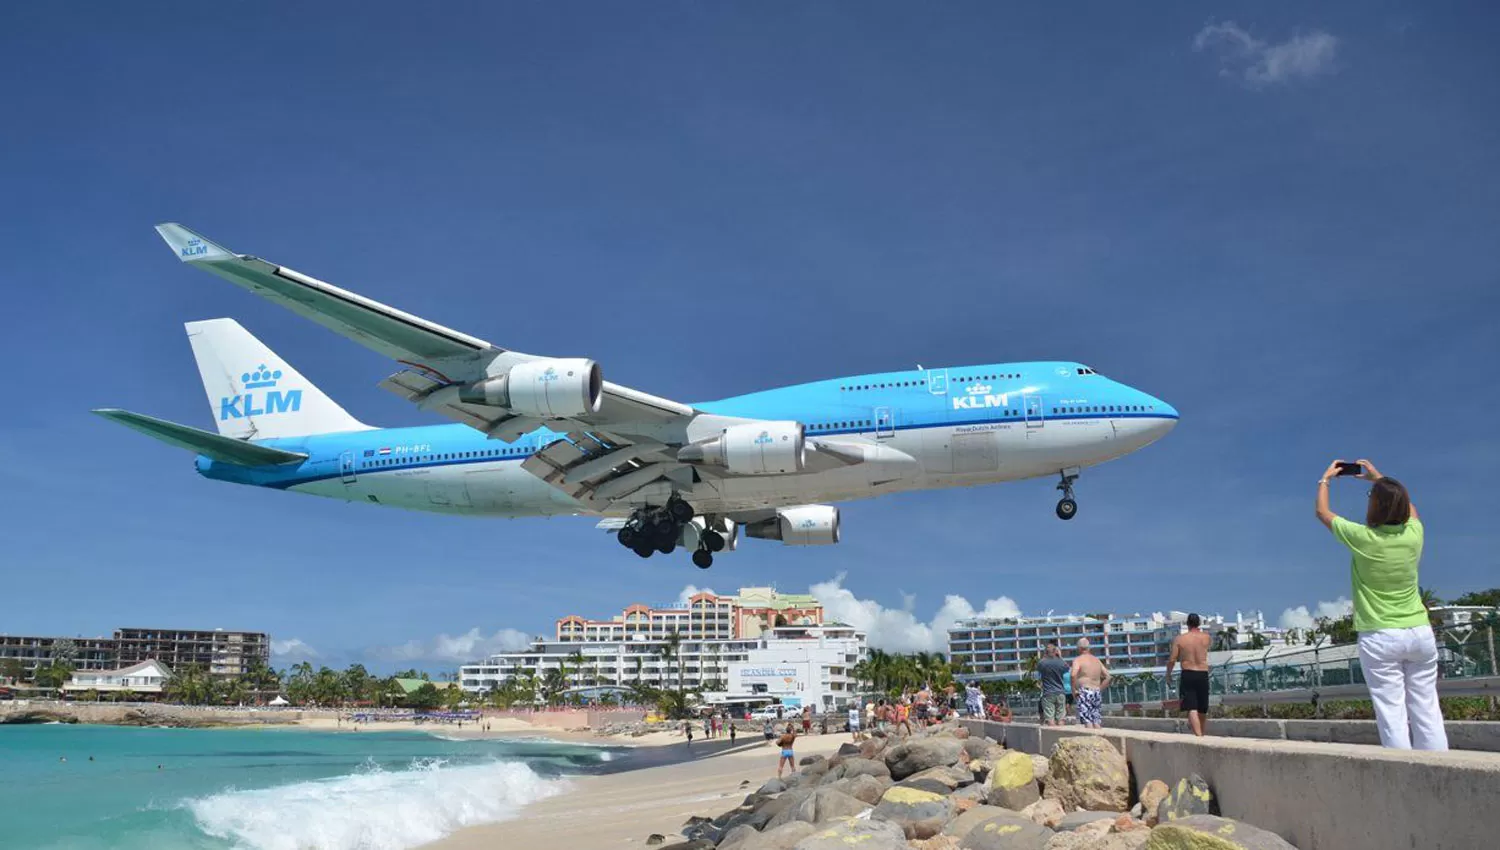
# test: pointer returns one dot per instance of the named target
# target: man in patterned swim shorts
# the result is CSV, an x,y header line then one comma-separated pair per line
x,y
1090,678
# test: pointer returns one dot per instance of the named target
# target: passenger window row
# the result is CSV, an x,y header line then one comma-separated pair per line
x,y
829,426
1107,408
898,384
409,459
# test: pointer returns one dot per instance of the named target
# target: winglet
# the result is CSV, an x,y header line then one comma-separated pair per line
x,y
190,247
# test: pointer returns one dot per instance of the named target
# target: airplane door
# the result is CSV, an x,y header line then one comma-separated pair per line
x,y
885,422
1035,418
937,381
346,467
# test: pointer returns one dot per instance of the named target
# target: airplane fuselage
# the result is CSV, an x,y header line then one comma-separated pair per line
x,y
925,429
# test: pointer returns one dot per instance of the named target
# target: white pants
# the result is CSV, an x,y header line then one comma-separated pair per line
x,y
1401,669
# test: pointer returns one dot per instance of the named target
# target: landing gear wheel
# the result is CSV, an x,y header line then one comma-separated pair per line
x,y
1067,509
713,541
680,511
703,559
628,537
644,551
667,547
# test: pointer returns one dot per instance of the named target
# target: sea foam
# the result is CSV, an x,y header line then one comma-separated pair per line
x,y
371,810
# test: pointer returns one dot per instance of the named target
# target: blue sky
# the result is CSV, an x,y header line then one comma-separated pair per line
x,y
1279,218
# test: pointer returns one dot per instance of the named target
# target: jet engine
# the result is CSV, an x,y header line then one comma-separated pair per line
x,y
546,389
802,525
753,448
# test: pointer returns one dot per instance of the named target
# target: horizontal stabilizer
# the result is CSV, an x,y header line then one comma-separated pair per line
x,y
215,446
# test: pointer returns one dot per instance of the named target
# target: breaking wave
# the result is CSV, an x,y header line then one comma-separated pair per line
x,y
374,809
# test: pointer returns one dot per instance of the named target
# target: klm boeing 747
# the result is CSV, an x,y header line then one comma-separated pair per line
x,y
541,436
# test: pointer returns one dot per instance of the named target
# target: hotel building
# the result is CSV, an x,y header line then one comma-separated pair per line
x,y
218,652
1002,648
754,646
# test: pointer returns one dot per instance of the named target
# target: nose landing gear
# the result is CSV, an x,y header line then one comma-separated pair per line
x,y
1067,508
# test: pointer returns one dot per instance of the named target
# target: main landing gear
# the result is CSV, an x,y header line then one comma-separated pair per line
x,y
1067,508
658,529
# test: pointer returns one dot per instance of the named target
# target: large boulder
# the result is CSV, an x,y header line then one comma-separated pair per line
x,y
918,754
964,823
1087,841
822,805
847,750
920,814
1151,797
953,777
783,837
1077,820
1048,813
852,767
976,793
1206,832
867,789
1011,783
1007,832
980,748
864,833
1039,768
1087,772
872,748
931,785
1190,796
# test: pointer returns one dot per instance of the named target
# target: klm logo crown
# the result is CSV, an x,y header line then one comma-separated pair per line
x,y
261,377
194,248
765,437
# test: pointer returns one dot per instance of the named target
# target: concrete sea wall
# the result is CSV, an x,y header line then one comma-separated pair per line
x,y
1319,796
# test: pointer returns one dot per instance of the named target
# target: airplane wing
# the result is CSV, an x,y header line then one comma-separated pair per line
x,y
216,446
624,434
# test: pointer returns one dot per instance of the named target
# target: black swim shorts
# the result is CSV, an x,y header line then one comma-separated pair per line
x,y
1194,691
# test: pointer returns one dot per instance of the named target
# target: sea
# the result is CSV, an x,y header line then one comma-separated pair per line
x,y
75,787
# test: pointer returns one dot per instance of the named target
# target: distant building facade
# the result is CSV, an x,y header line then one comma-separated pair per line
x,y
145,678
805,665
218,652
703,616
1002,648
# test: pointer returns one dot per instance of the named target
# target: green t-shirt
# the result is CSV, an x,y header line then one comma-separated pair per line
x,y
1384,572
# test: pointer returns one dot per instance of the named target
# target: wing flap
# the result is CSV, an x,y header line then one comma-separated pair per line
x,y
215,446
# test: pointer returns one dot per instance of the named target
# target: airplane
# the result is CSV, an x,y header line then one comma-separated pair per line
x,y
542,436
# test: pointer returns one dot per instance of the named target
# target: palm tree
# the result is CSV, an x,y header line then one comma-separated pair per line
x,y
1431,601
577,660
671,649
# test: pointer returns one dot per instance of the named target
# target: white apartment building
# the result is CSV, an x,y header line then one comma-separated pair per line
x,y
147,677
796,665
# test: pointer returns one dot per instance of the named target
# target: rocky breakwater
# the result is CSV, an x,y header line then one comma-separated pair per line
x,y
940,789
180,716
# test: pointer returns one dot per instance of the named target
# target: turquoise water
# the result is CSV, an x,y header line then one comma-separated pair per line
x,y
264,789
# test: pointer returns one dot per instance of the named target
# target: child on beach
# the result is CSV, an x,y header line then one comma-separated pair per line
x,y
731,733
788,758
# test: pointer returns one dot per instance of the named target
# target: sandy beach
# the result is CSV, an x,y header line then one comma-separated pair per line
x,y
655,789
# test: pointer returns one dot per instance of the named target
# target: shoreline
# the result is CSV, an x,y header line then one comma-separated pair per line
x,y
653,790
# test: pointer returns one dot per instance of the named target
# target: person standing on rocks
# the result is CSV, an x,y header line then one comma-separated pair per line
x,y
1397,648
974,700
1090,678
1052,670
854,721
1191,649
785,743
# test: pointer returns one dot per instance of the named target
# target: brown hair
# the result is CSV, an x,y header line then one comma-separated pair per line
x,y
1389,504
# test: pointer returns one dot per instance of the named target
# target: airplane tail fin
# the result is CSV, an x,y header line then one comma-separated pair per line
x,y
256,395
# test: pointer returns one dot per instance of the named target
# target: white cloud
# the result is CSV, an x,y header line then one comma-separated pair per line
x,y
1258,63
690,591
898,629
456,649
293,647
1301,618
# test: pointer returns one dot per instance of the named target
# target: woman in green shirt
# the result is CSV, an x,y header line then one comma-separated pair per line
x,y
1397,649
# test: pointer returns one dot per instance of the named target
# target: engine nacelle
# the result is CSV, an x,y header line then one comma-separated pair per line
x,y
803,525
754,448
546,389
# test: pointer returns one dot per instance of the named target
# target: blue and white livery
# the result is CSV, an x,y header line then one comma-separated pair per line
x,y
540,436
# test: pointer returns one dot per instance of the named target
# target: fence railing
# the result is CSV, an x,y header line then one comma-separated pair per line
x,y
1465,651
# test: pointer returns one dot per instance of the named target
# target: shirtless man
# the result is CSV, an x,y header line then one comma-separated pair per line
x,y
1191,649
1090,678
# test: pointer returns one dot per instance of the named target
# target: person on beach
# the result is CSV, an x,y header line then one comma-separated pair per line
x,y
854,722
1052,669
807,720
974,700
769,730
1191,649
870,714
687,729
1090,678
731,733
1397,648
788,758
903,715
